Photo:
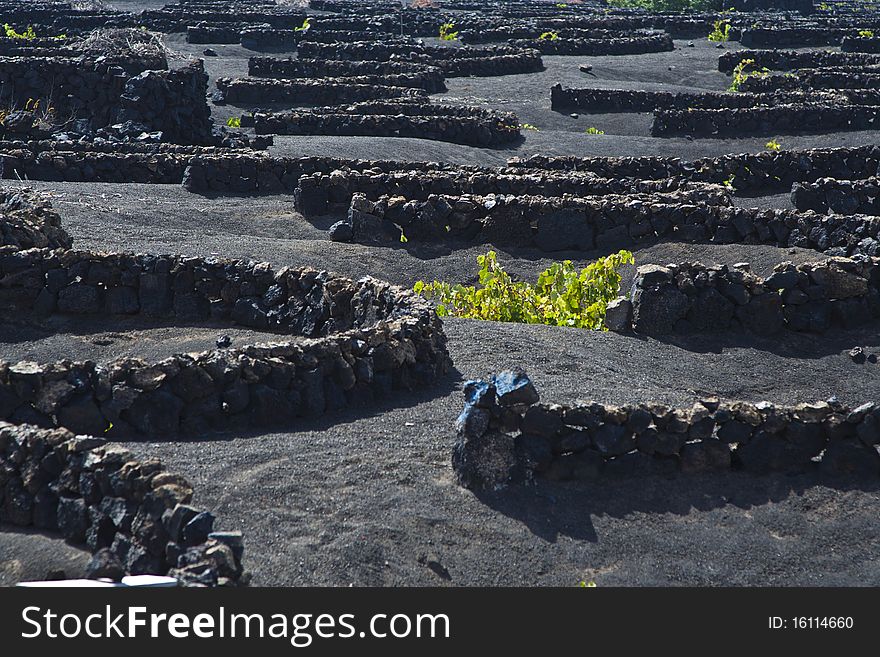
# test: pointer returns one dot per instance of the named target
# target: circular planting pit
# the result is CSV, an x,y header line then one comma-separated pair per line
x,y
354,340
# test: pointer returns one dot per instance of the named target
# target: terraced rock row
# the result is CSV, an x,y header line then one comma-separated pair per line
x,y
345,343
505,436
471,126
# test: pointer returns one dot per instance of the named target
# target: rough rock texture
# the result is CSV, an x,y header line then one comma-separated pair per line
x,y
27,221
132,514
506,437
813,297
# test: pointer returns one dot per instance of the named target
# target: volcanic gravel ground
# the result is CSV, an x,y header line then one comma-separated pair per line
x,y
367,496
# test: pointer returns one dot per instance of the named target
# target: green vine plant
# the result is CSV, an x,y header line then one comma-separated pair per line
x,y
562,295
307,23
548,36
529,126
741,74
773,146
720,32
448,32
866,34
233,122
27,35
594,131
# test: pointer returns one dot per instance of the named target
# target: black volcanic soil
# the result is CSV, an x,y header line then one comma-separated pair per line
x,y
369,499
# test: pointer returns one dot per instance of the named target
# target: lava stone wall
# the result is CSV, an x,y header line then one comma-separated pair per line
x,y
460,125
608,223
791,37
505,436
533,31
830,79
359,340
838,196
627,100
813,297
318,91
320,192
621,45
133,514
203,33
786,60
250,173
264,37
767,121
27,221
270,67
748,171
176,18
548,223
88,166
172,102
801,6
108,91
73,86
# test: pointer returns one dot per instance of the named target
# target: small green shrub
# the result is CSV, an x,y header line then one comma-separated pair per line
x,y
773,145
594,131
548,36
866,34
529,126
307,23
233,122
28,34
741,74
720,32
448,32
562,295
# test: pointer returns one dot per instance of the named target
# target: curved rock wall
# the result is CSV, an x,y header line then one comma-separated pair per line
x,y
368,338
133,514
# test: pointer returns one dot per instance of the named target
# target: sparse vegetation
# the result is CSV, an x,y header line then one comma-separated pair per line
x,y
562,295
741,73
594,131
233,122
773,145
528,126
548,36
448,32
866,34
27,35
720,32
43,114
